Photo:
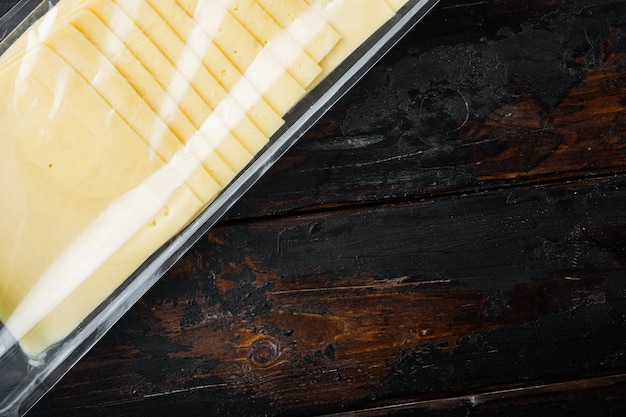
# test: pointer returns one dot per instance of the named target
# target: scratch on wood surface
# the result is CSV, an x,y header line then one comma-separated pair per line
x,y
363,164
397,282
488,397
470,4
184,390
389,159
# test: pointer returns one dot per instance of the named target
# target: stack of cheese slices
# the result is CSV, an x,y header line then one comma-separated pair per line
x,y
122,119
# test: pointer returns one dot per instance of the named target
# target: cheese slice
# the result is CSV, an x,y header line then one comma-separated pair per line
x,y
39,30
106,133
175,51
106,80
99,259
354,22
66,196
280,44
245,52
245,98
112,245
396,5
304,24
169,103
190,50
265,117
57,153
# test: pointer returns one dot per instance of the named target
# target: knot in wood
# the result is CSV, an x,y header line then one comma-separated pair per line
x,y
264,352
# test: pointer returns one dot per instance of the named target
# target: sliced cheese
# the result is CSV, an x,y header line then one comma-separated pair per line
x,y
67,196
38,31
246,98
74,49
279,43
121,240
122,119
49,161
259,67
304,24
169,103
354,22
396,5
100,258
192,49
106,133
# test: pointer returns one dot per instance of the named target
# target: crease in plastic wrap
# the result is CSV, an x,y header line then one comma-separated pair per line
x,y
128,127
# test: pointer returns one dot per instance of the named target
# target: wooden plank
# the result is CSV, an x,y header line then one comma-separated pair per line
x,y
481,94
587,397
332,310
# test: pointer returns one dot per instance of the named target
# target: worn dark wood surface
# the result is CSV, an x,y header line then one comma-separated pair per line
x,y
450,240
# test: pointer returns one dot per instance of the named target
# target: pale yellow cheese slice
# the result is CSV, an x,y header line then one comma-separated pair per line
x,y
396,5
120,264
106,80
75,105
44,158
61,168
152,87
245,52
354,21
38,31
184,51
253,139
154,78
270,35
304,24
228,84
233,87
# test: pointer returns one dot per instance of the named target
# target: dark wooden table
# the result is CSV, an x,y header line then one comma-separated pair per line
x,y
450,240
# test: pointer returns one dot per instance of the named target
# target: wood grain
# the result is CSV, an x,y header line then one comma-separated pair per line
x,y
325,310
449,240
480,95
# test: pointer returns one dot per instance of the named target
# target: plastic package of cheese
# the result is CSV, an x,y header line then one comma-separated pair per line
x,y
129,127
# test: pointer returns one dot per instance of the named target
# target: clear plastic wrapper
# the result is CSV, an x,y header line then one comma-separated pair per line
x,y
129,128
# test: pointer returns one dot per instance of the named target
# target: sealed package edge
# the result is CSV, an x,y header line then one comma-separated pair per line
x,y
128,125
